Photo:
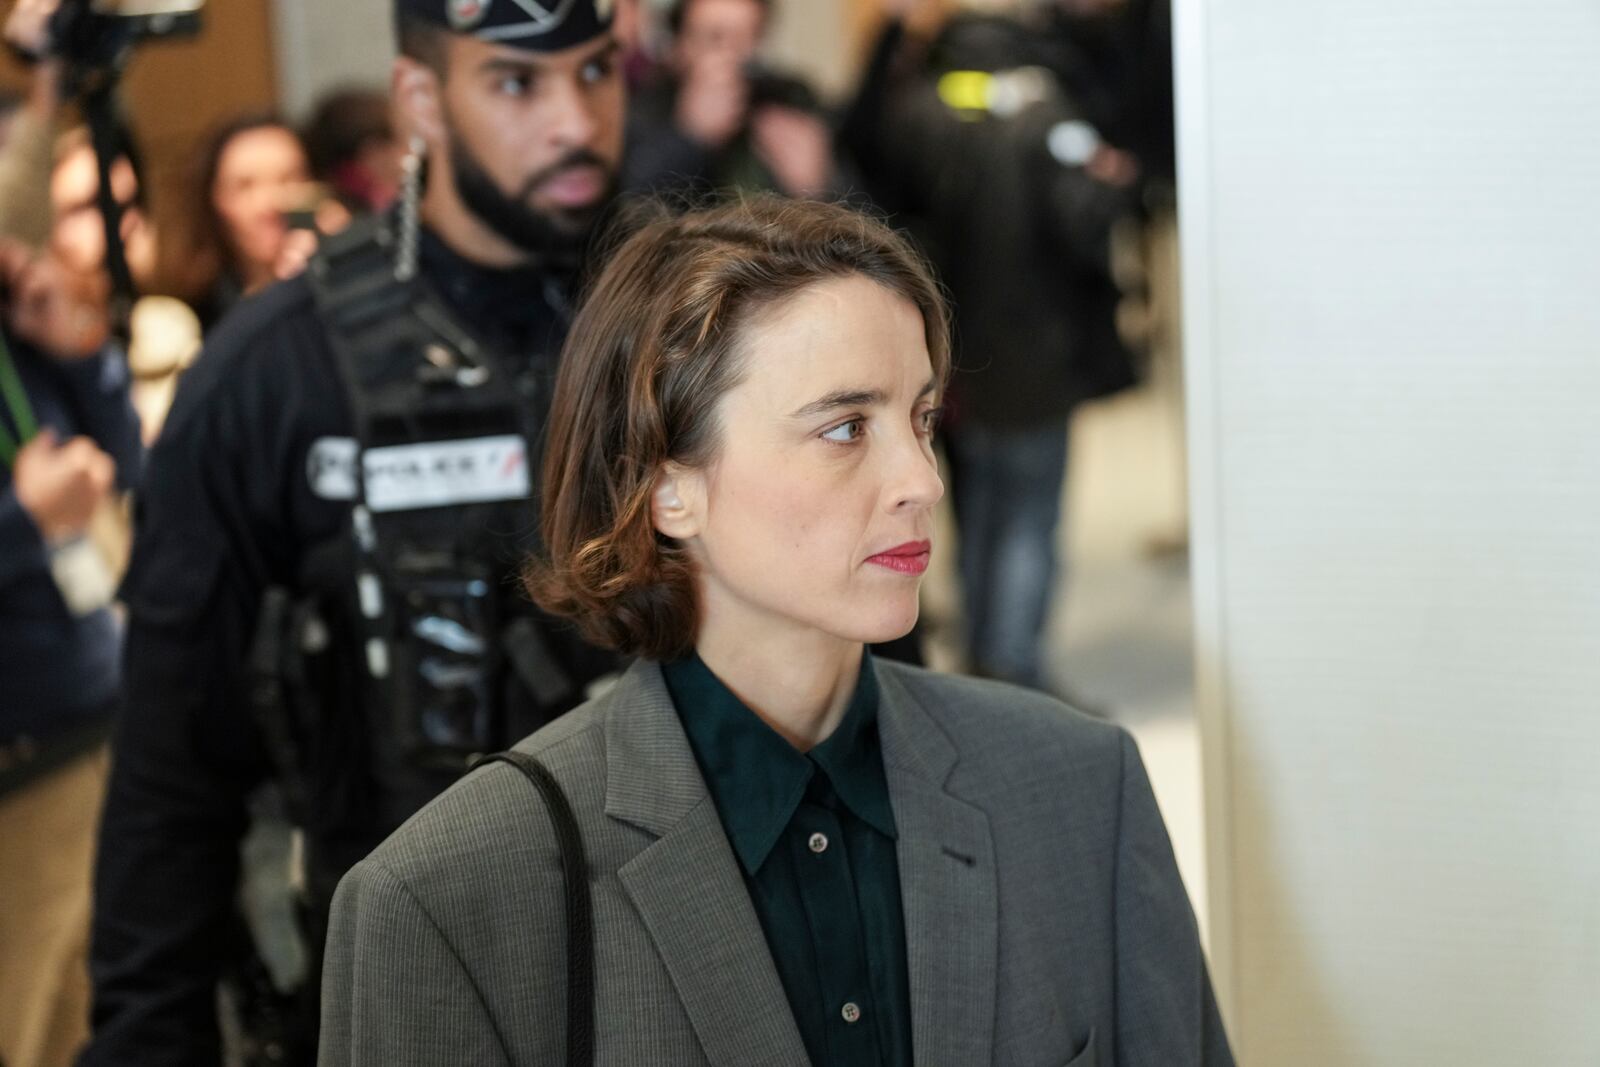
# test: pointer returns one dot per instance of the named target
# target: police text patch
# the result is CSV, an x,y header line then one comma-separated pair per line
x,y
439,474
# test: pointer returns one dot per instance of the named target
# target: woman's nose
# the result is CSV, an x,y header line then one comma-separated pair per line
x,y
916,479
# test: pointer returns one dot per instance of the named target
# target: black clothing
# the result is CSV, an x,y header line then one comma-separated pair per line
x,y
213,305
58,672
251,479
1021,238
1120,66
815,837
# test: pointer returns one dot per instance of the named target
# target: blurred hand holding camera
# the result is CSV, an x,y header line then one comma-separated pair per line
x,y
298,248
796,146
308,212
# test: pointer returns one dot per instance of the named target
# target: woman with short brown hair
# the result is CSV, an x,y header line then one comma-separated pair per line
x,y
644,371
793,854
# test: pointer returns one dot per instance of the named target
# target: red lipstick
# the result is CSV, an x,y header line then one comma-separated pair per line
x,y
909,558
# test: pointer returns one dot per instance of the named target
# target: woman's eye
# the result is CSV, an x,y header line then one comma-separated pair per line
x,y
598,71
514,85
930,420
845,432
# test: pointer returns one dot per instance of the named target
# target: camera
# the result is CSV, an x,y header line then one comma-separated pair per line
x,y
93,41
769,87
94,38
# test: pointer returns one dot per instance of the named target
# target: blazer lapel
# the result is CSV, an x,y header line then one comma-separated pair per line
x,y
948,889
687,887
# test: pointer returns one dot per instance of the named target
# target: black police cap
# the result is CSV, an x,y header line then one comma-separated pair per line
x,y
539,25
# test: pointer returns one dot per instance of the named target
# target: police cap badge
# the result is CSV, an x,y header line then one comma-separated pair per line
x,y
540,25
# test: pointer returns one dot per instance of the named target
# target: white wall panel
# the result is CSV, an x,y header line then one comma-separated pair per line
x,y
330,44
1391,216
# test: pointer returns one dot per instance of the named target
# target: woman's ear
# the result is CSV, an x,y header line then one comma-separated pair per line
x,y
676,504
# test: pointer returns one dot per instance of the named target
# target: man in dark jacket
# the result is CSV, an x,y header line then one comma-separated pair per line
x,y
379,493
987,156
68,439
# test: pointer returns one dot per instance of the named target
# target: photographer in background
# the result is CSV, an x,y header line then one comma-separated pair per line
x,y
68,439
982,146
50,191
164,333
715,120
252,172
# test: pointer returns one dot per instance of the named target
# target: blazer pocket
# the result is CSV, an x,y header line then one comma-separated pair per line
x,y
1085,1056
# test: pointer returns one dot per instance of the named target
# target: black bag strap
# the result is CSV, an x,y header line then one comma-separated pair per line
x,y
580,916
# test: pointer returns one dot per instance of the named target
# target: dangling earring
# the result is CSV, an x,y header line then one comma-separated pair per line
x,y
405,263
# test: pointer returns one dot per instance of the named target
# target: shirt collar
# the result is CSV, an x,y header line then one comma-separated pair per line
x,y
757,779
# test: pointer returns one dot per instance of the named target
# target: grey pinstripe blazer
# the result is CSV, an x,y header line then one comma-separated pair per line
x,y
1045,922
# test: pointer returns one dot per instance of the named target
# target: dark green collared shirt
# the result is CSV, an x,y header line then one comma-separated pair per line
x,y
815,837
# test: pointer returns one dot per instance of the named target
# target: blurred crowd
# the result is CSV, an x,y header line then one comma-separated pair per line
x,y
1029,153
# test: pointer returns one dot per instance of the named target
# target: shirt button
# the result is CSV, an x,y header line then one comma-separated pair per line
x,y
850,1012
819,844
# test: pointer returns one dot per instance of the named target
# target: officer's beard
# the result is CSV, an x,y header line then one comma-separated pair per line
x,y
556,237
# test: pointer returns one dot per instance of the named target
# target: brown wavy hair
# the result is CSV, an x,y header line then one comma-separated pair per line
x,y
654,348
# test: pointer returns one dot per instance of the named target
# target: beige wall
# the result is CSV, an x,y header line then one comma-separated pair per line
x,y
812,37
1394,357
327,44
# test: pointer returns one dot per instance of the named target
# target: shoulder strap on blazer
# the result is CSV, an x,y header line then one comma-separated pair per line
x,y
580,917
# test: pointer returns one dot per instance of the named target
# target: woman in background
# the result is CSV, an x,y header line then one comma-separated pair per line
x,y
795,854
353,149
253,177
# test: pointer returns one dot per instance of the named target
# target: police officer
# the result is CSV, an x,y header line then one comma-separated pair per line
x,y
323,583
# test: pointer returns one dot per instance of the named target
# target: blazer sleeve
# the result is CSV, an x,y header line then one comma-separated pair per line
x,y
394,992
1166,1011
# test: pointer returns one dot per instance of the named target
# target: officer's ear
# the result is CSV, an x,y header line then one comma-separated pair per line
x,y
677,506
417,90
